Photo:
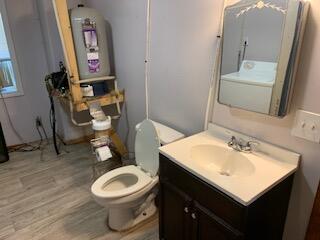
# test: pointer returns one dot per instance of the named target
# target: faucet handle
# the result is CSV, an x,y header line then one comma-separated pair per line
x,y
253,144
247,146
242,142
242,145
232,141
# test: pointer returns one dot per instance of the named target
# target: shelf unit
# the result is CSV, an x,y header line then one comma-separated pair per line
x,y
76,100
108,99
80,103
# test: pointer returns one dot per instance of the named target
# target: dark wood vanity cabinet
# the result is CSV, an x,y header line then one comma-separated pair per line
x,y
191,209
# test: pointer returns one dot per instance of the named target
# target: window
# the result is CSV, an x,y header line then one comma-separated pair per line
x,y
10,84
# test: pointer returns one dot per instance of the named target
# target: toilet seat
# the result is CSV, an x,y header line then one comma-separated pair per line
x,y
100,186
146,147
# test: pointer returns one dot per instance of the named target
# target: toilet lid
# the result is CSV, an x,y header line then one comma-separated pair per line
x,y
147,147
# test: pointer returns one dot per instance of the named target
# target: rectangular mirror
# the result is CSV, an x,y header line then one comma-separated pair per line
x,y
260,48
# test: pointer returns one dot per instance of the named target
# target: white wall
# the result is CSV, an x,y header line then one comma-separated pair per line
x,y
127,20
28,43
277,131
264,28
183,38
232,32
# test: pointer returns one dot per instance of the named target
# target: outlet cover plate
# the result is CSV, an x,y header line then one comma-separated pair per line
x,y
307,126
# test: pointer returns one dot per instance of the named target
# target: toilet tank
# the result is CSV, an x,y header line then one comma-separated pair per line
x,y
166,134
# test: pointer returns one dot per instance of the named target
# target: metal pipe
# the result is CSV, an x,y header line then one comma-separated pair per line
x,y
214,83
239,61
215,75
147,57
245,45
72,117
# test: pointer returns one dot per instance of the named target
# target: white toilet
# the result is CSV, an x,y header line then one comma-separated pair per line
x,y
129,192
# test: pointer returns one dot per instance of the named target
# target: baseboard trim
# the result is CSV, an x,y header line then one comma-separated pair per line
x,y
83,139
68,142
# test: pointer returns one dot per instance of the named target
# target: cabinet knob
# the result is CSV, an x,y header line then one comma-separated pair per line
x,y
186,210
194,216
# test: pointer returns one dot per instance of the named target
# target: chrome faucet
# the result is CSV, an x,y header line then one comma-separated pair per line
x,y
241,145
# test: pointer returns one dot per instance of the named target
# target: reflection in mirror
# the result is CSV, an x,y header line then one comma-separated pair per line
x,y
260,45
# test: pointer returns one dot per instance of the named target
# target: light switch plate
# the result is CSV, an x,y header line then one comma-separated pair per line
x,y
307,126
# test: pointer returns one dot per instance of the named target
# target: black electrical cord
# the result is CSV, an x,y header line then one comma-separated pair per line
x,y
45,133
58,136
54,82
53,124
41,138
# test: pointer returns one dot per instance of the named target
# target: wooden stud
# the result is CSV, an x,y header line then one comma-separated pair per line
x,y
64,26
117,142
104,101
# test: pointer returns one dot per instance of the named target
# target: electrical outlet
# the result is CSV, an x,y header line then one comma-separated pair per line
x,y
307,126
38,121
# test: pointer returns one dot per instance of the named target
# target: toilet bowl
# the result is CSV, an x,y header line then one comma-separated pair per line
x,y
128,192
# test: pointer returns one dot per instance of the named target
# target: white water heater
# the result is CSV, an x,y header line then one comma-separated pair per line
x,y
90,40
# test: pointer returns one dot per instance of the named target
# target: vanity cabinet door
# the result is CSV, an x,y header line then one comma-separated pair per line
x,y
175,208
207,226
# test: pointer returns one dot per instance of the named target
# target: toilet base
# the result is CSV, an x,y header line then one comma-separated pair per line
x,y
124,219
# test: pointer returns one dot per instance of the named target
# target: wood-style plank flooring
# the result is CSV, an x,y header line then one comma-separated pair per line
x,y
44,196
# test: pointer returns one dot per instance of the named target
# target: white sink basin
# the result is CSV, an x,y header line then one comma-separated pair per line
x,y
225,161
242,176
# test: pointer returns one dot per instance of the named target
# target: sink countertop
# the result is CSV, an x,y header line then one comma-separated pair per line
x,y
272,164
